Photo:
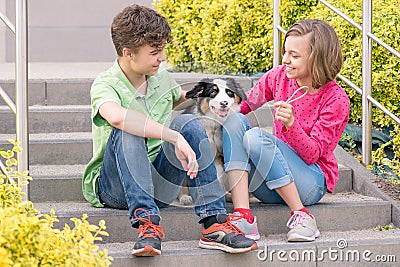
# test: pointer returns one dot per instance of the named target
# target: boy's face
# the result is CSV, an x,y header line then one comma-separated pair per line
x,y
147,60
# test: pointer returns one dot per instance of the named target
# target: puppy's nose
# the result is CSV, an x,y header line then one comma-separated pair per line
x,y
223,103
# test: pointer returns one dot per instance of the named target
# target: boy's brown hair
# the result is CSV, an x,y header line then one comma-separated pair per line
x,y
136,26
326,57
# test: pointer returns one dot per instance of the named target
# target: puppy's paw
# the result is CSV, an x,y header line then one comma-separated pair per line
x,y
186,200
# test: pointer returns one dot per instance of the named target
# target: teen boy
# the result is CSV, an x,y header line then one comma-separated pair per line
x,y
140,160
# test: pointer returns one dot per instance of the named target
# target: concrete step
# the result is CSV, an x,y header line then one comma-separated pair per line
x,y
63,182
53,91
55,138
76,118
50,119
347,248
56,183
344,211
68,83
53,127
56,148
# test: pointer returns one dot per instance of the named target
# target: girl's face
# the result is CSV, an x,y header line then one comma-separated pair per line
x,y
296,57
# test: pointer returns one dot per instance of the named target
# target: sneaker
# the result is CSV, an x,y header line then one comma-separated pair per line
x,y
303,227
250,230
225,236
150,236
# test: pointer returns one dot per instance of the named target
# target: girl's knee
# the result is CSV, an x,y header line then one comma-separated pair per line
x,y
254,139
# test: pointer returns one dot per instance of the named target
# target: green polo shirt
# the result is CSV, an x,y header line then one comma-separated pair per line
x,y
112,85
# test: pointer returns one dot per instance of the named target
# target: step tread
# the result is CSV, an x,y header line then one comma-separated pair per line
x,y
327,239
72,137
57,171
49,182
52,108
75,71
339,199
69,171
356,212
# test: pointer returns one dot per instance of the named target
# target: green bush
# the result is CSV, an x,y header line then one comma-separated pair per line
x,y
235,37
219,36
27,237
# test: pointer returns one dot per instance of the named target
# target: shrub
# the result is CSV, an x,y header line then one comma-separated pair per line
x,y
27,237
219,36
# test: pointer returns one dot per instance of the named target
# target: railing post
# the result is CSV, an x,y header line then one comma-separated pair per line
x,y
277,34
21,84
366,82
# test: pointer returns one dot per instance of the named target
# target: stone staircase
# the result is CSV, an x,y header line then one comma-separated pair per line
x,y
60,146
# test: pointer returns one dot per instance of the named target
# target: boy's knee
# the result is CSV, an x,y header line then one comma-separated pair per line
x,y
185,121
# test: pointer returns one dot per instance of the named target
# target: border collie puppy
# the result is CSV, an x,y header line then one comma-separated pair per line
x,y
214,99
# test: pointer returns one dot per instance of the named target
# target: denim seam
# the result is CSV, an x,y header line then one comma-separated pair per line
x,y
200,198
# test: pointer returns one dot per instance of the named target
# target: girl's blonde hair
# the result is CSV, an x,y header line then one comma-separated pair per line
x,y
326,58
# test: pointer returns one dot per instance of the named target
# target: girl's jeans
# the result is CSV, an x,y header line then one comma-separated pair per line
x,y
270,162
128,180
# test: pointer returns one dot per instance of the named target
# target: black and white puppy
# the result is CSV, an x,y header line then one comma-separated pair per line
x,y
214,99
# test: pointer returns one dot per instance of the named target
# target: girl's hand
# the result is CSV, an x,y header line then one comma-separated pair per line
x,y
284,113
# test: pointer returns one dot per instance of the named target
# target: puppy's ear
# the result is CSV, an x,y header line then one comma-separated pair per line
x,y
196,91
237,89
241,94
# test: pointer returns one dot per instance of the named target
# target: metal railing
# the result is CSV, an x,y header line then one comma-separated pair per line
x,y
20,109
365,92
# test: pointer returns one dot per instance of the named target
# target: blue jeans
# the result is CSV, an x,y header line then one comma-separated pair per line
x,y
270,162
128,180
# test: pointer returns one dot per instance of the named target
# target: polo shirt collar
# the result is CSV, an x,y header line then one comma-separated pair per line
x,y
153,81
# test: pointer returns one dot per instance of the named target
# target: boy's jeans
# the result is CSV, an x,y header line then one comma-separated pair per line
x,y
128,180
271,163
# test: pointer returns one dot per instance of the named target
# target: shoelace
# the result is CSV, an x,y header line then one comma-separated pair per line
x,y
232,227
148,229
296,219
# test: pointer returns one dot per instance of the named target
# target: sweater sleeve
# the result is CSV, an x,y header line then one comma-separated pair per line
x,y
259,94
325,134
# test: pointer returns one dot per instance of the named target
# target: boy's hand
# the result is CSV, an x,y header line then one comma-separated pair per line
x,y
186,156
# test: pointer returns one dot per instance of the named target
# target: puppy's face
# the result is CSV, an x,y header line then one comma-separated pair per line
x,y
220,96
